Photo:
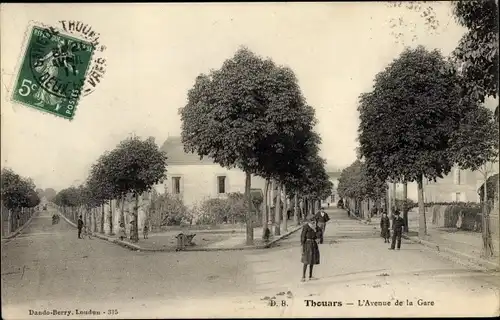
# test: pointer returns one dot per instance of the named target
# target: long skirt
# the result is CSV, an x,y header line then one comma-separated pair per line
x,y
310,252
385,233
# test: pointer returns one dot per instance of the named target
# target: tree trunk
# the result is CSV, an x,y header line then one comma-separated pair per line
x,y
389,202
102,218
285,211
405,206
122,209
265,210
111,218
296,209
249,220
422,227
95,219
277,224
487,242
394,195
135,234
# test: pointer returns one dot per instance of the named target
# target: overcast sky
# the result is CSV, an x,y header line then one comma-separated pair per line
x,y
155,51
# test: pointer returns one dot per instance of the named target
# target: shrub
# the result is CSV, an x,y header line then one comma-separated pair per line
x,y
169,211
215,211
410,204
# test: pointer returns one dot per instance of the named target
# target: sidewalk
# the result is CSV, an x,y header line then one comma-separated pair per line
x,y
461,244
205,240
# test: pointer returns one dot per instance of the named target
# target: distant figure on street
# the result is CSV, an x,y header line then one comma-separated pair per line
x,y
122,234
310,249
132,230
385,224
397,229
340,204
321,219
288,214
80,226
145,231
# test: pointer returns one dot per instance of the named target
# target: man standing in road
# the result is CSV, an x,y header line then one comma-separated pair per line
x,y
397,229
80,226
321,219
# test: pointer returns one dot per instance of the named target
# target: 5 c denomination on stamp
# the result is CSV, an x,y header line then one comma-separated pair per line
x,y
52,71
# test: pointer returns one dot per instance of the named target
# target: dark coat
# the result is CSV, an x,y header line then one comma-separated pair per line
x,y
80,223
310,250
385,224
398,223
323,219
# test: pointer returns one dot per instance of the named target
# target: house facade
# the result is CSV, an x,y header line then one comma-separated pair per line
x,y
458,185
194,180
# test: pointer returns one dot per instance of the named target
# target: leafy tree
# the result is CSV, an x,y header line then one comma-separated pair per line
x,y
357,183
100,186
49,194
135,168
235,111
475,147
17,192
477,51
408,120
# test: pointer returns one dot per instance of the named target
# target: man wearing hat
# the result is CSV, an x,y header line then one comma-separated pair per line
x,y
397,230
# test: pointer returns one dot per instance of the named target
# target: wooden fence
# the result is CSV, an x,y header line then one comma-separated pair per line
x,y
14,219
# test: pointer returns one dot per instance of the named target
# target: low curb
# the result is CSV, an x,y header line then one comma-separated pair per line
x,y
135,247
476,261
20,229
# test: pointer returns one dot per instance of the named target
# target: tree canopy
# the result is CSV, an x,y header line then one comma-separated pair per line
x,y
243,112
16,191
477,51
356,182
408,119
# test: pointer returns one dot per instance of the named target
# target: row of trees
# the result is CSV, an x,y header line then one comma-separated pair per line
x,y
251,114
48,193
425,113
132,168
17,192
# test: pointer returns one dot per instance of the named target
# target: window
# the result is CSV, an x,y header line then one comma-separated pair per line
x,y
332,198
221,184
176,185
457,197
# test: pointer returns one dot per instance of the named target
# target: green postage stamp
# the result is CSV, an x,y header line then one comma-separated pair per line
x,y
52,71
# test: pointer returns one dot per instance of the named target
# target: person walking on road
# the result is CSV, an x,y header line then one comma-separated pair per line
x,y
310,249
385,224
321,219
397,229
80,226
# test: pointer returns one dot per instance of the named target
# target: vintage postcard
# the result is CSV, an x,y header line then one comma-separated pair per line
x,y
239,160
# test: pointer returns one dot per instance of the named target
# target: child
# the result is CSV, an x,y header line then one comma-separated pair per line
x,y
86,232
145,231
384,227
121,232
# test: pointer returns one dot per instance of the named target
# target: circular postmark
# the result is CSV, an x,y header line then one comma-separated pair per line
x,y
97,69
66,62
58,63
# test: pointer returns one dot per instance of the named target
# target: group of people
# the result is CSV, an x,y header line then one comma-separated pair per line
x,y
314,230
397,229
122,234
55,219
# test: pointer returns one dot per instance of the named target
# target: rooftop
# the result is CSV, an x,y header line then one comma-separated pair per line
x,y
176,155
